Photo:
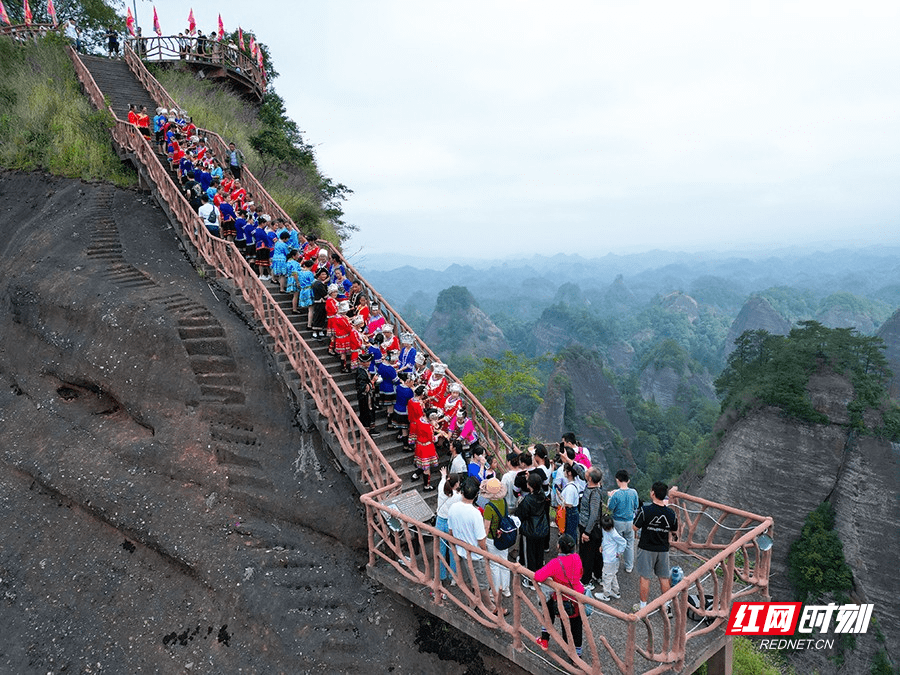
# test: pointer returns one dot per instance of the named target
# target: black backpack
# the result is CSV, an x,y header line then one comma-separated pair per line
x,y
211,218
507,532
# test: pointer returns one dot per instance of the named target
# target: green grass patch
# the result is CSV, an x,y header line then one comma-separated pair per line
x,y
46,122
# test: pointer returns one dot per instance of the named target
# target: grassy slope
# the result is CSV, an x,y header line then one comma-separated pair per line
x,y
46,122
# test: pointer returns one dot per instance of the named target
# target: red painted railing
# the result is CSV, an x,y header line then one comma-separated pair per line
x,y
721,539
726,551
343,422
490,432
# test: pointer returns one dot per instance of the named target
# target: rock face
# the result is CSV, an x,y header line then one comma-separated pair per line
x,y
890,333
581,399
662,384
777,467
458,327
756,314
159,508
680,302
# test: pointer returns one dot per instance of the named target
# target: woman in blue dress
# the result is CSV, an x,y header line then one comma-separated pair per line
x,y
305,280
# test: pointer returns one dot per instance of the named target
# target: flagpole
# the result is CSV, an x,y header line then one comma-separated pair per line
x,y
134,2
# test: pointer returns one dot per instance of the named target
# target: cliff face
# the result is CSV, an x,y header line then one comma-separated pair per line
x,y
756,314
581,399
458,327
778,467
890,333
662,384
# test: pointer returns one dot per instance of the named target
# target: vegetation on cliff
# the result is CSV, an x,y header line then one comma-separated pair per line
x,y
46,123
816,560
775,370
510,389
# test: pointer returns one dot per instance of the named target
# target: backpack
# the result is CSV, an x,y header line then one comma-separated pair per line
x,y
211,218
506,532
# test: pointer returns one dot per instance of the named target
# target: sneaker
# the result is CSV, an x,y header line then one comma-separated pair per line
x,y
669,612
543,644
602,597
527,583
628,570
505,592
374,432
429,488
615,595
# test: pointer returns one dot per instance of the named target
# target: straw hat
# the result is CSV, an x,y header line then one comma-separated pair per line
x,y
492,488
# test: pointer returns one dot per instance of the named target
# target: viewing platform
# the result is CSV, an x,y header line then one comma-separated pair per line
x,y
724,552
209,59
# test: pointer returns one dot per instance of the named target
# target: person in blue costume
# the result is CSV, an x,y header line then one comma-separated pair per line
x,y
403,394
386,387
407,357
292,278
279,261
229,217
304,286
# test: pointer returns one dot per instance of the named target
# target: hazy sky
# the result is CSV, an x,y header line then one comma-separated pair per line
x,y
488,128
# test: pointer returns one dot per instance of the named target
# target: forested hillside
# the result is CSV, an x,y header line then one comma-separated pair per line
x,y
627,351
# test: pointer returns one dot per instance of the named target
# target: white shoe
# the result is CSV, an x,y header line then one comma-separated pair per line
x,y
506,593
602,598
615,595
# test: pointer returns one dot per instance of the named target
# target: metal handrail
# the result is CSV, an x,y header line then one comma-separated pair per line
x,y
343,421
490,432
412,550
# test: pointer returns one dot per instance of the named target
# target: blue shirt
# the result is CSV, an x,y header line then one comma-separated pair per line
x,y
623,504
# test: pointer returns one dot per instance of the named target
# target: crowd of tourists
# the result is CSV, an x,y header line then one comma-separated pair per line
x,y
509,513
496,511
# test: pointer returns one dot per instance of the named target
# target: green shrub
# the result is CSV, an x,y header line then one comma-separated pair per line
x,y
816,565
46,122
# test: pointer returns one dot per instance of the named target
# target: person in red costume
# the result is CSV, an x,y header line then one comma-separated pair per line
x,y
437,386
342,332
331,311
416,412
391,343
426,455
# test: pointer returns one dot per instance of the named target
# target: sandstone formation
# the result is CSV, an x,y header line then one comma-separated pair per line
x,y
756,314
459,327
581,399
778,467
160,509
890,333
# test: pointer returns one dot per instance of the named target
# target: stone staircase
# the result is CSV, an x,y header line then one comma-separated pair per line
x,y
121,87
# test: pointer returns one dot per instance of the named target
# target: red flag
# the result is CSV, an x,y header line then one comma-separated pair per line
x,y
252,46
221,29
192,25
129,22
156,28
259,57
241,39
4,17
27,14
51,10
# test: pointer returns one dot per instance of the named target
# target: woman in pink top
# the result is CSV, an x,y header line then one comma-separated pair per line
x,y
565,569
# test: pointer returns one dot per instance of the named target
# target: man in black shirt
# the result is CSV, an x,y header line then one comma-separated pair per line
x,y
655,521
365,393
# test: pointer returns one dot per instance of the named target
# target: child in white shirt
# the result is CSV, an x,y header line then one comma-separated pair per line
x,y
613,546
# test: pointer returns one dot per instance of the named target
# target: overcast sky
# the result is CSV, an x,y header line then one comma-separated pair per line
x,y
488,129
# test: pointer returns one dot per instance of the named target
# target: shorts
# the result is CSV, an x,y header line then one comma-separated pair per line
x,y
481,573
651,564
